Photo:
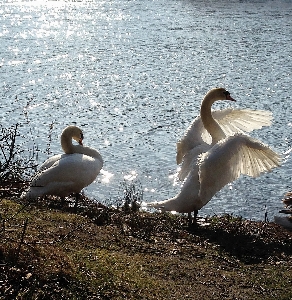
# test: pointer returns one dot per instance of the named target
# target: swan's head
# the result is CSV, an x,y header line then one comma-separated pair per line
x,y
219,94
73,132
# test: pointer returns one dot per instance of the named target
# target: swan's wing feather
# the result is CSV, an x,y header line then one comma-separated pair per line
x,y
230,120
69,174
194,136
228,159
60,171
49,162
242,120
190,160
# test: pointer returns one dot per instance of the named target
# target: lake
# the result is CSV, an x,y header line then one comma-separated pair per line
x,y
132,75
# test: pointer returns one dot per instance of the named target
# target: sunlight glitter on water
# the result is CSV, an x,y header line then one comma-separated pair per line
x,y
132,176
149,190
132,75
106,176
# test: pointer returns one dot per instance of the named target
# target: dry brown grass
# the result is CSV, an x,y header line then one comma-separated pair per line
x,y
107,254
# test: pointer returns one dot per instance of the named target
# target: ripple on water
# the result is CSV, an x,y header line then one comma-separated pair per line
x,y
132,74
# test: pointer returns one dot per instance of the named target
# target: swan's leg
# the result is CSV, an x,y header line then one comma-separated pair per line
x,y
195,214
76,202
190,219
62,201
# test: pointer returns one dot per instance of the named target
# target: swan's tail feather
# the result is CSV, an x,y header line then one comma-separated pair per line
x,y
31,194
157,204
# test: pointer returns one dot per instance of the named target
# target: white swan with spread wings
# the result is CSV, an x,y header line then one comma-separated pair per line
x,y
215,151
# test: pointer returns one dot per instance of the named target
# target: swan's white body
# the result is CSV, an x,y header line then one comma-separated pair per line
x,y
215,151
67,173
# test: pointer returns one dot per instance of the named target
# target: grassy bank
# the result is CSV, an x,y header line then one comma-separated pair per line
x,y
51,253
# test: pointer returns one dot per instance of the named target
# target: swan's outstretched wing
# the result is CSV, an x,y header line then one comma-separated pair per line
x,y
230,120
242,120
231,157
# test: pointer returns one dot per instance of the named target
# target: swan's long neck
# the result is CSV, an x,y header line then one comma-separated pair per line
x,y
209,123
67,145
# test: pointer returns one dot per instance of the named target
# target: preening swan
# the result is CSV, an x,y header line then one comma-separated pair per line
x,y
67,173
215,151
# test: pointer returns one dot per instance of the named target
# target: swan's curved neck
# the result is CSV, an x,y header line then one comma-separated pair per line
x,y
67,145
209,123
69,148
88,151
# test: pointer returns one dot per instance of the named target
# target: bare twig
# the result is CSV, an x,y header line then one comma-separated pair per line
x,y
13,166
22,238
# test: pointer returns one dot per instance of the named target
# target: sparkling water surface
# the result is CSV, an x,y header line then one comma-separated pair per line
x,y
132,74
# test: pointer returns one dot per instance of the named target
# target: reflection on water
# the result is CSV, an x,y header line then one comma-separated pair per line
x,y
106,176
132,74
132,176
